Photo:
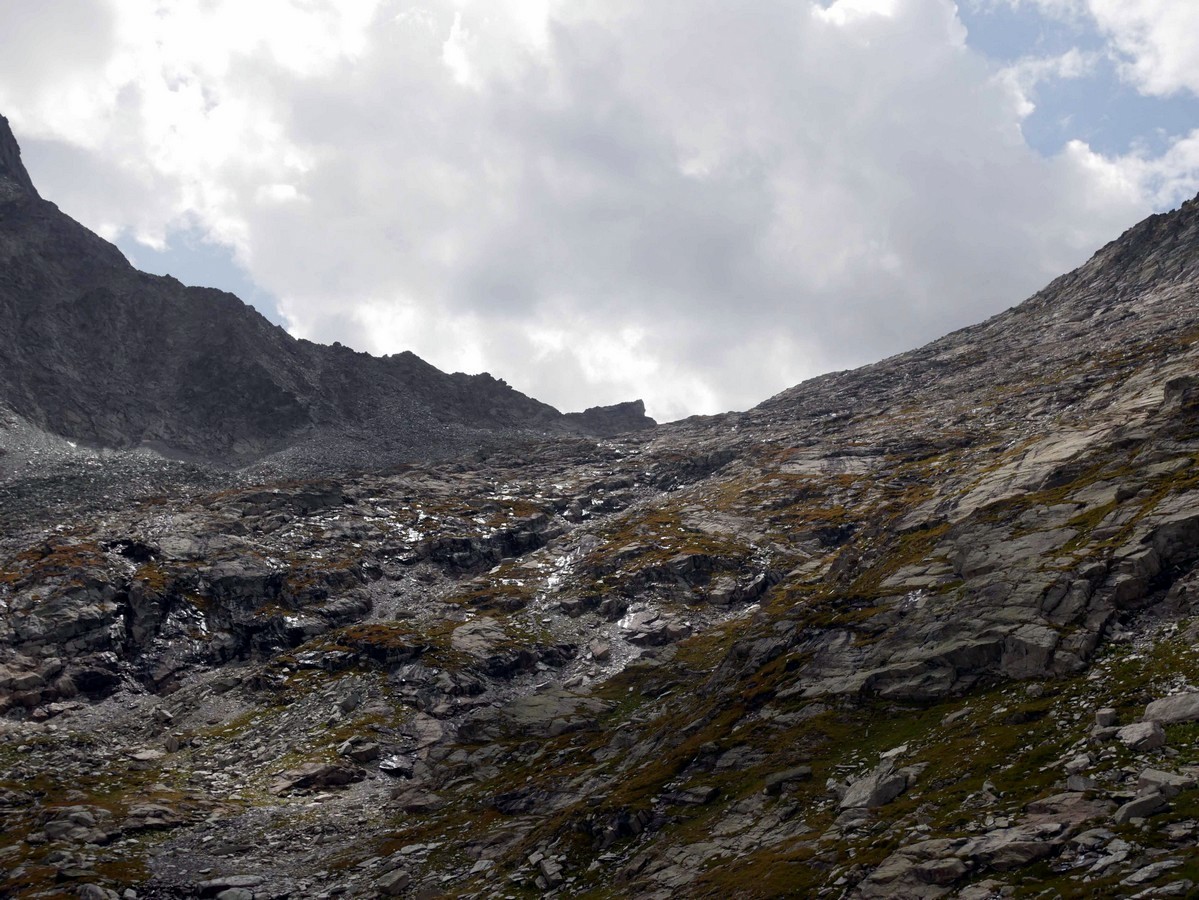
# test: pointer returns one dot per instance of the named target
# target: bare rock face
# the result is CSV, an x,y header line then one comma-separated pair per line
x,y
609,420
13,177
888,634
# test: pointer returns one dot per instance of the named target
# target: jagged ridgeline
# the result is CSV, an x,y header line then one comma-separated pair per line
x,y
101,353
925,629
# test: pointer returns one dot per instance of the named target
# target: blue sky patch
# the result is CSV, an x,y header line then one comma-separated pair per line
x,y
200,263
1099,108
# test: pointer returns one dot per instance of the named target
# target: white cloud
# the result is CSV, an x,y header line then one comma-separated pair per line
x,y
849,12
456,53
1023,76
1163,178
1153,42
690,201
1157,41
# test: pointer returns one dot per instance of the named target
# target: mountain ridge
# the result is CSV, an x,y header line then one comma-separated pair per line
x,y
102,353
11,167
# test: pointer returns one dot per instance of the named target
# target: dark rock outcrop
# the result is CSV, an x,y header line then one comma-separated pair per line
x,y
615,419
12,170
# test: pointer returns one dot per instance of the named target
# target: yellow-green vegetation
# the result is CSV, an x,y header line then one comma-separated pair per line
x,y
1118,469
60,557
655,534
501,592
702,652
1011,735
114,785
906,550
153,577
390,642
308,577
636,545
511,509
1086,522
381,635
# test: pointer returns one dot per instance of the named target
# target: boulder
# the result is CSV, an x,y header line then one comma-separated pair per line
x,y
96,892
651,628
1170,710
315,774
1140,808
359,750
394,883
1028,651
1142,736
878,788
1168,784
1012,848
922,870
777,782
415,800
1152,872
151,817
941,872
1071,809
398,765
215,887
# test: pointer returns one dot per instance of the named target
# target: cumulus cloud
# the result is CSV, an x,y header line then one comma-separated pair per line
x,y
1152,41
689,201
1023,76
1156,41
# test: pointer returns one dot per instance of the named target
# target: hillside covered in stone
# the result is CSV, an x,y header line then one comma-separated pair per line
x,y
925,629
100,353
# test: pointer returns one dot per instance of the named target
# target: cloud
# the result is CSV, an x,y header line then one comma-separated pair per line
x,y
688,201
50,52
1152,41
1155,41
1023,76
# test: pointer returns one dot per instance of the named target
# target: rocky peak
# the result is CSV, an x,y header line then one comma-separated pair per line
x,y
100,353
1159,250
615,419
12,170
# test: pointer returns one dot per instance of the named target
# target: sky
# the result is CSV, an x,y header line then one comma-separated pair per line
x,y
692,202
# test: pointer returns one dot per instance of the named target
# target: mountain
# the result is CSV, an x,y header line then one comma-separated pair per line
x,y
99,352
924,629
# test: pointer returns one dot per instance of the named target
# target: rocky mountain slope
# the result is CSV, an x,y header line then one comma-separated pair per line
x,y
926,629
98,352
